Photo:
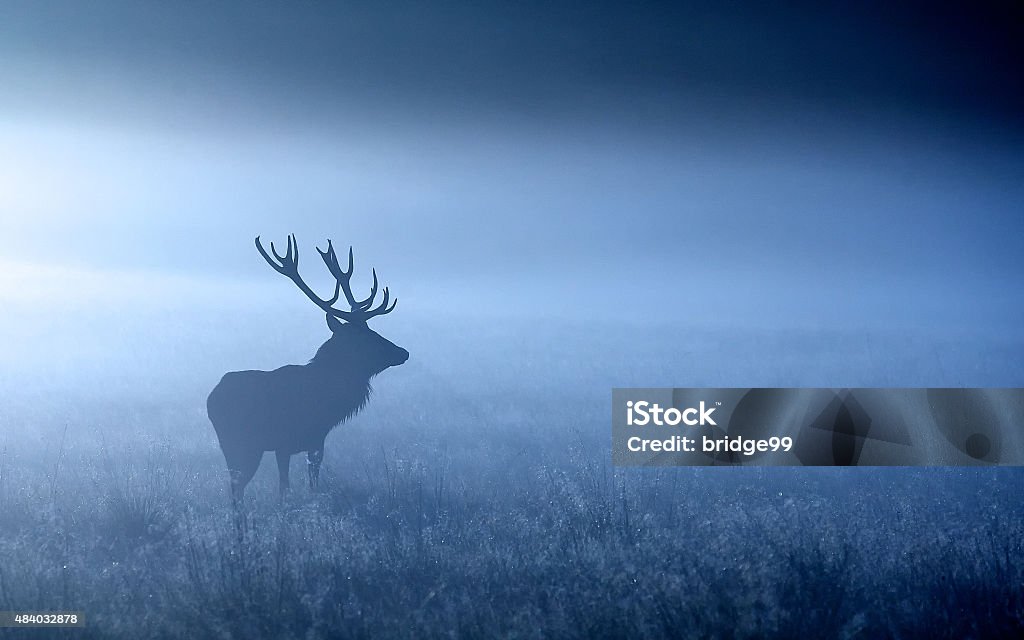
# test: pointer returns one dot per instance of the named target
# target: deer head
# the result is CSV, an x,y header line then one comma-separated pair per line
x,y
352,344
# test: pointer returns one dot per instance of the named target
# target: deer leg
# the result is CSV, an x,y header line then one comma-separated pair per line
x,y
242,467
283,459
313,459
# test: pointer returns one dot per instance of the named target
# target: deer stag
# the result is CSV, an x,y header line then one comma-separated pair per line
x,y
293,408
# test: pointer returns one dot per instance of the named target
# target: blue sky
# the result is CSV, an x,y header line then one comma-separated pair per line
x,y
710,162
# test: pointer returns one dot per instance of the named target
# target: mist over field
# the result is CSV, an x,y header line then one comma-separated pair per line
x,y
474,496
564,199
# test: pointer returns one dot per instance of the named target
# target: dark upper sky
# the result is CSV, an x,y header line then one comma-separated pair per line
x,y
534,58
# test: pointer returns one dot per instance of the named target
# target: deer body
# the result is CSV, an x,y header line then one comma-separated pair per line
x,y
271,410
293,408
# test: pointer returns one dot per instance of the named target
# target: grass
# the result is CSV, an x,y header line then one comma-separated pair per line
x,y
483,507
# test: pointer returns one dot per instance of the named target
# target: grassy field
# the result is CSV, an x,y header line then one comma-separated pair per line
x,y
475,498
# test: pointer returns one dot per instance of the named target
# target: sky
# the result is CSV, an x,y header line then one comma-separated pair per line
x,y
711,162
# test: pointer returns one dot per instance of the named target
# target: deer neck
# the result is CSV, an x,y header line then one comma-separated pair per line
x,y
341,372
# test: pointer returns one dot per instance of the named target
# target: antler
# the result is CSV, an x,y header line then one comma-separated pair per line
x,y
288,265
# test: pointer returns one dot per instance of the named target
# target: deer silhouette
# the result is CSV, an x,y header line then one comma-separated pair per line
x,y
293,408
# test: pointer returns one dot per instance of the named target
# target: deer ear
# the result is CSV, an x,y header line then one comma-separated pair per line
x,y
333,323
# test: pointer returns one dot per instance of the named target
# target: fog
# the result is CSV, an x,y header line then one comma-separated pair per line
x,y
663,183
604,174
679,175
564,198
